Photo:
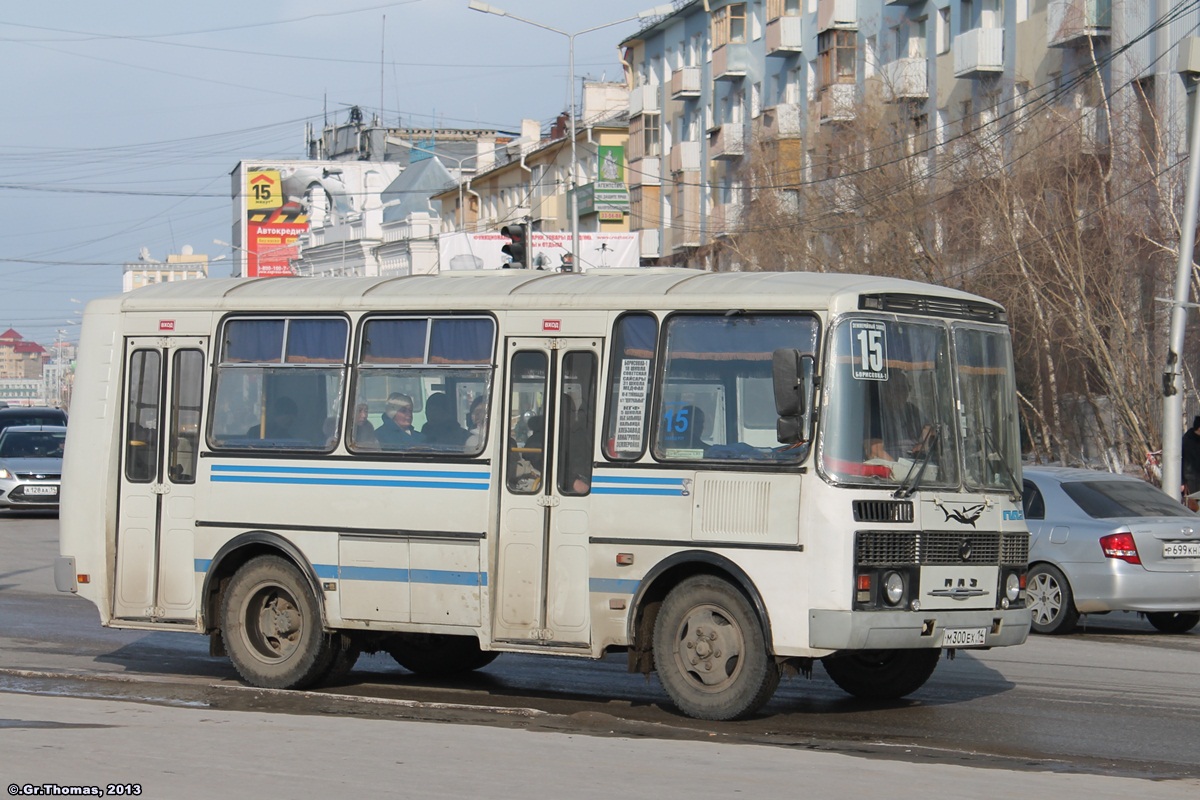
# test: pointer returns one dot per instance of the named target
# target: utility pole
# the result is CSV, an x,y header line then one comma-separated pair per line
x,y
1172,426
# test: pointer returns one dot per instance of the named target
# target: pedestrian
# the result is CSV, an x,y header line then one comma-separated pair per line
x,y
1191,464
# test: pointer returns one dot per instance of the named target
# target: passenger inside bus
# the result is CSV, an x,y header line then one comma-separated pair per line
x,y
477,418
396,432
441,426
279,421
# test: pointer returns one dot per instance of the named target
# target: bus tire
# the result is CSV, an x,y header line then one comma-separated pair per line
x,y
271,625
882,674
434,654
710,651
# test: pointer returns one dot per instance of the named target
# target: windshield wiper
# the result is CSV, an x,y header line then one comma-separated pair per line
x,y
990,443
917,467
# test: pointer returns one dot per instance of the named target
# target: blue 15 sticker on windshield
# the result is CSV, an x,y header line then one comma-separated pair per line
x,y
869,345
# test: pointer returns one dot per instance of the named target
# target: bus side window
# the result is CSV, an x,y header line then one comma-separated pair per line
x,y
142,416
188,374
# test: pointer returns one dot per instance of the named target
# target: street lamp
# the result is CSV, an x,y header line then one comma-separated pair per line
x,y
657,11
219,243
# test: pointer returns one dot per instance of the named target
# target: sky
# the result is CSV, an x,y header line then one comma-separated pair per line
x,y
125,119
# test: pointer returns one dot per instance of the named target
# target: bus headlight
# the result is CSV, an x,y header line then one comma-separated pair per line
x,y
893,588
1012,587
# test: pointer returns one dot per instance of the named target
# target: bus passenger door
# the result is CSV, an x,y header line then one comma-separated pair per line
x,y
160,449
540,589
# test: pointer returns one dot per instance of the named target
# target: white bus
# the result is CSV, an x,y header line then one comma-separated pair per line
x,y
726,476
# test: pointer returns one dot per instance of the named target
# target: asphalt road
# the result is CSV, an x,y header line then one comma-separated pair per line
x,y
1117,700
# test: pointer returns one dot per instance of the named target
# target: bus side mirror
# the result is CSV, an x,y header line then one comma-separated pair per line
x,y
792,374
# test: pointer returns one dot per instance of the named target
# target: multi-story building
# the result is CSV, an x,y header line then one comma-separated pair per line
x,y
183,266
716,77
19,358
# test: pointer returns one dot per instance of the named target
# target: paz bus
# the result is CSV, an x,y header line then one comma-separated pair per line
x,y
726,476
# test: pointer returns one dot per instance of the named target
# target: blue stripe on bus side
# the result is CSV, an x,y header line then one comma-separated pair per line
x,y
318,481
612,585
435,576
623,485
402,473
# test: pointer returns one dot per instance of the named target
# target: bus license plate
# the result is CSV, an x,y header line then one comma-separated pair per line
x,y
41,490
964,637
1181,550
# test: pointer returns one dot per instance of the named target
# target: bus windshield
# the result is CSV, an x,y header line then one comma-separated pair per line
x,y
889,405
913,403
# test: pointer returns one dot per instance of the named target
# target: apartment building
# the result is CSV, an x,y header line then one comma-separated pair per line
x,y
716,84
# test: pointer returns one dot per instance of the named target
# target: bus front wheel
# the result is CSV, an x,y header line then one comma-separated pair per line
x,y
882,674
271,625
710,651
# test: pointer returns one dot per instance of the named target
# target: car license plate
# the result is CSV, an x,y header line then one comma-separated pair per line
x,y
51,490
964,637
1181,550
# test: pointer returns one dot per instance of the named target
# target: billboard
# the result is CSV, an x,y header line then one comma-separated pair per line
x,y
545,251
274,225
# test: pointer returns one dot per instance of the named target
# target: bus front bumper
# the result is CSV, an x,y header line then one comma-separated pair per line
x,y
912,630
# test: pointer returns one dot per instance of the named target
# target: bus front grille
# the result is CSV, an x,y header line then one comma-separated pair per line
x,y
884,548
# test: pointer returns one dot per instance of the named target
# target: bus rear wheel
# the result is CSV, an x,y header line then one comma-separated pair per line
x,y
710,651
435,654
271,625
882,674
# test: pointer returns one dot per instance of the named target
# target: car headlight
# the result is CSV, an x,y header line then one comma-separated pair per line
x,y
5,474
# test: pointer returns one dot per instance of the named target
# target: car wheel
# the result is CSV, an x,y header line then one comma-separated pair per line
x,y
271,625
882,674
1174,621
710,651
1049,598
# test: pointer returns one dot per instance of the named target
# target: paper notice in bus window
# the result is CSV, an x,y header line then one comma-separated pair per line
x,y
631,404
869,344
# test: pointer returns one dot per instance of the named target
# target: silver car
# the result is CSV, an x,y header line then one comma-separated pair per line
x,y
31,465
1102,542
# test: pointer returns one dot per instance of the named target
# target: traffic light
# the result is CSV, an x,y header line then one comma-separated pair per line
x,y
515,249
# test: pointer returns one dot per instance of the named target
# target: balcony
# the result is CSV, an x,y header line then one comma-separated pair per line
x,y
729,62
837,14
906,79
978,51
724,219
643,100
782,122
838,102
1070,21
685,82
727,141
1093,131
683,228
645,172
685,157
650,242
551,208
784,36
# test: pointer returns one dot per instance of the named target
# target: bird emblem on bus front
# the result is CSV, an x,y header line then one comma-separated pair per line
x,y
967,515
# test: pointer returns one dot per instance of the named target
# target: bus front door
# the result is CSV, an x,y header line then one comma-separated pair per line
x,y
160,448
540,589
